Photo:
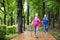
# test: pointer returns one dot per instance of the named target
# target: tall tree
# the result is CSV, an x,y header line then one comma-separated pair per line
x,y
28,16
4,12
43,7
19,15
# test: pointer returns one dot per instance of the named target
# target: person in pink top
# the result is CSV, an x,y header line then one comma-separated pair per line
x,y
36,24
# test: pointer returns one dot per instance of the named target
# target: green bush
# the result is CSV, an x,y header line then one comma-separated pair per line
x,y
2,31
10,36
6,30
10,30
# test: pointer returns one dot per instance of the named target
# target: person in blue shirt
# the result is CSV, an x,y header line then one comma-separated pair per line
x,y
45,23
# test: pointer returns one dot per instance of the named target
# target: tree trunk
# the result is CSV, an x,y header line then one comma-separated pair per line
x,y
43,7
49,16
53,24
28,16
58,13
19,16
24,23
8,23
53,21
4,12
11,18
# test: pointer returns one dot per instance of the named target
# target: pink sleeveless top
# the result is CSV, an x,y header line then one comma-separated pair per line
x,y
36,22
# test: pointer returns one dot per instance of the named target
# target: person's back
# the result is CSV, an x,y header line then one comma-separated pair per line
x,y
45,21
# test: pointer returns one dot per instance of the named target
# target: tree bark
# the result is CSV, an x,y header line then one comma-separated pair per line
x,y
28,16
11,18
43,7
58,13
24,22
4,12
49,16
19,15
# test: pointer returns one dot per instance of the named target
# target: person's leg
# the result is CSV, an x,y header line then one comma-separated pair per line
x,y
36,31
44,32
44,28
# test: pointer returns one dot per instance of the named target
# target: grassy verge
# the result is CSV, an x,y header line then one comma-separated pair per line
x,y
55,33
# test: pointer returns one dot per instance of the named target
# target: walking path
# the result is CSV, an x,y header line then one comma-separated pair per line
x,y
28,35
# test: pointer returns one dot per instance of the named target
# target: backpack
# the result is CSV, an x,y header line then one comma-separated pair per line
x,y
45,20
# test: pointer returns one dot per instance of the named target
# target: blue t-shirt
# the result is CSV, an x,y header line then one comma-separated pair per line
x,y
45,21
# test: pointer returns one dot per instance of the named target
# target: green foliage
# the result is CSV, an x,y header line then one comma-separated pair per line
x,y
11,7
36,6
10,29
6,30
2,32
10,36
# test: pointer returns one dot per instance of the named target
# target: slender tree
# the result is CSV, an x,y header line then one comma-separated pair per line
x,y
4,12
28,16
24,23
11,18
